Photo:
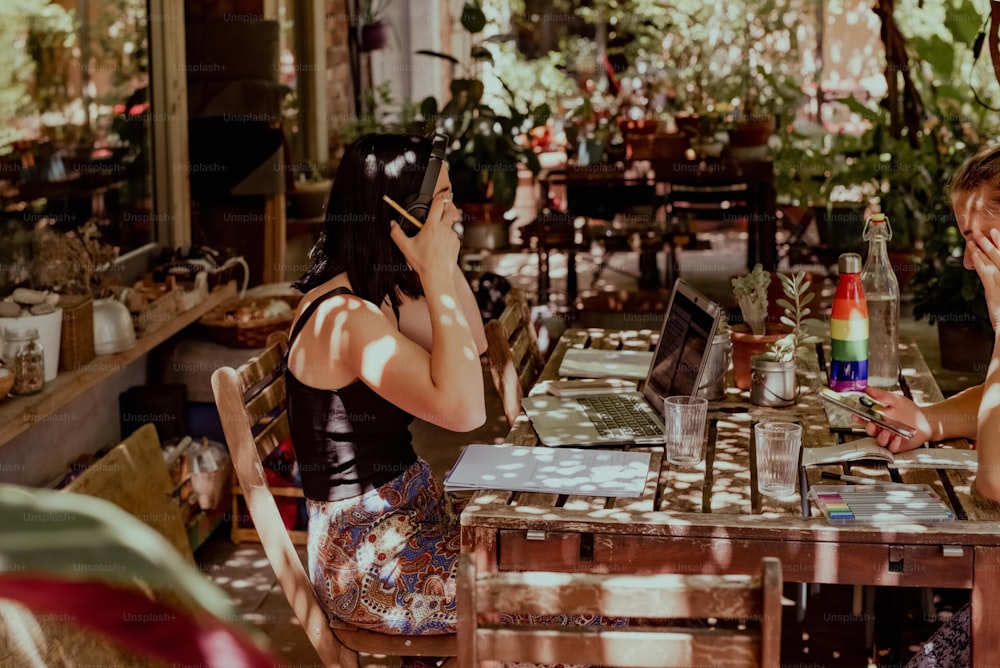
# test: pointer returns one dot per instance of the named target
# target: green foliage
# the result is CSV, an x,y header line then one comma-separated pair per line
x,y
800,343
120,45
955,127
750,291
38,37
485,149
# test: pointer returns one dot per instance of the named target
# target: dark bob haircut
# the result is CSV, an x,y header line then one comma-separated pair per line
x,y
355,237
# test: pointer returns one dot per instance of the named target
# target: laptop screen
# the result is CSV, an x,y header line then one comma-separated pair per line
x,y
683,347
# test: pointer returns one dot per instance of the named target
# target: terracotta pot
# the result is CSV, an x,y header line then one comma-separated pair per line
x,y
752,131
964,346
746,345
904,264
688,123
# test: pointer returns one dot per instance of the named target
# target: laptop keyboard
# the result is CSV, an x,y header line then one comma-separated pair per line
x,y
617,416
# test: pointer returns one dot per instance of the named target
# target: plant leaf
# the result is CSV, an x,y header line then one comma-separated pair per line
x,y
438,54
473,18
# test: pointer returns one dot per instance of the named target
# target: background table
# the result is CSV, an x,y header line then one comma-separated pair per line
x,y
711,519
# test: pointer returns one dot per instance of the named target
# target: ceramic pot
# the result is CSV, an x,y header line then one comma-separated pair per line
x,y
114,330
747,344
772,383
964,347
308,200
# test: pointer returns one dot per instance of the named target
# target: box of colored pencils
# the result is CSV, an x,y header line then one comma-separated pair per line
x,y
879,504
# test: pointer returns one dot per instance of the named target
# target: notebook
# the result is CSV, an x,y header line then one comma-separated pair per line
x,y
677,367
591,363
563,471
868,448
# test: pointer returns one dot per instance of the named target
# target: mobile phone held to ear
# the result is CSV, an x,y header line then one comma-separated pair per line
x,y
866,413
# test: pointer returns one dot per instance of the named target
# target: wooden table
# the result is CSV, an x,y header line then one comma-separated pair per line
x,y
710,518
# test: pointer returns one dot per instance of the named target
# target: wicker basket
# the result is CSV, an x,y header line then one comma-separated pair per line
x,y
76,342
223,327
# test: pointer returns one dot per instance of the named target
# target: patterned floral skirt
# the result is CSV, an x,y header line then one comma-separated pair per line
x,y
949,646
386,560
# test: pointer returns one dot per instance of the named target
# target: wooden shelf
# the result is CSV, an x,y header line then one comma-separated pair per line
x,y
18,414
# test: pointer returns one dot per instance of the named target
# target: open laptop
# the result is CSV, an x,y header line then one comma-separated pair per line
x,y
636,417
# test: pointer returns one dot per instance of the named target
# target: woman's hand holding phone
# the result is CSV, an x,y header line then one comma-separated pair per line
x,y
899,408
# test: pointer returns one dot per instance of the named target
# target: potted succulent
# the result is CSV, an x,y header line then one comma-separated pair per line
x,y
751,337
773,380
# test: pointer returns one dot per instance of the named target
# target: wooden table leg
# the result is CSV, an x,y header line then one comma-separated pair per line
x,y
985,607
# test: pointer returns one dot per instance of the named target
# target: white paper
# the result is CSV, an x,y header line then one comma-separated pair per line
x,y
595,363
553,470
936,458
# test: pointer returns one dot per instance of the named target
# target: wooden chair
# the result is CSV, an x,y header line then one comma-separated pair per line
x,y
252,408
753,599
512,353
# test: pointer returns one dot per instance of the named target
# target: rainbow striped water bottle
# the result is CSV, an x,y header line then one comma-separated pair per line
x,y
849,329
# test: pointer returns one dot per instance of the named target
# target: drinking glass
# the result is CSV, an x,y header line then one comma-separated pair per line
x,y
778,445
684,428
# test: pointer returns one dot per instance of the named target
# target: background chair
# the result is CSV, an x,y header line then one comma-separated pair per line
x,y
252,407
756,599
621,216
512,353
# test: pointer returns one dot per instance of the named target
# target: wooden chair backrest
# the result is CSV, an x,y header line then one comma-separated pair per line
x,y
512,352
251,403
755,600
719,194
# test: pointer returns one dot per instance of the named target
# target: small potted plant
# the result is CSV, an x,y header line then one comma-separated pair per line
x,y
773,378
312,190
372,28
751,337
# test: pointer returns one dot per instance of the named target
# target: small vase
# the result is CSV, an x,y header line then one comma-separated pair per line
x,y
773,383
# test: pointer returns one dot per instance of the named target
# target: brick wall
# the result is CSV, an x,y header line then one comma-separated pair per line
x,y
340,87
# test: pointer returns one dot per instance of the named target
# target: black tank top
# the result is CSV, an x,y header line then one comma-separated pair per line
x,y
347,441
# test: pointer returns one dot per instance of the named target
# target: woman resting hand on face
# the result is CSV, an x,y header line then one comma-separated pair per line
x,y
975,412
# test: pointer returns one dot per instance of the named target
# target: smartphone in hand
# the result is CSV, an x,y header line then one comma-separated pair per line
x,y
866,413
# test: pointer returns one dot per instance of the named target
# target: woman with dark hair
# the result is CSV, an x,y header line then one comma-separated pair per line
x,y
388,330
974,412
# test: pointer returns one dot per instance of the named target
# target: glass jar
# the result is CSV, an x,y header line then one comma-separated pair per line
x,y
24,354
